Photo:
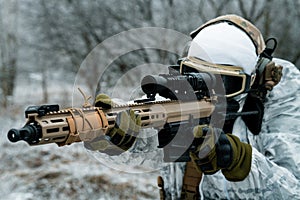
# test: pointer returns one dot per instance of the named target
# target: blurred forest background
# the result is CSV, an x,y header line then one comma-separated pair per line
x,y
43,43
39,38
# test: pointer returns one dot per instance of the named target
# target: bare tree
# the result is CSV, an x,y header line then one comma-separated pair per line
x,y
71,29
66,31
274,18
8,48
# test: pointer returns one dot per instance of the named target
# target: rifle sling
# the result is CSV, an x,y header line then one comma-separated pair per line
x,y
191,181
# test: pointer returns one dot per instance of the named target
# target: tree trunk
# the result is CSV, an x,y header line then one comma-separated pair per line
x,y
8,48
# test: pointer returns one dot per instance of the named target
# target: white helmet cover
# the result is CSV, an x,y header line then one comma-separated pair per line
x,y
224,43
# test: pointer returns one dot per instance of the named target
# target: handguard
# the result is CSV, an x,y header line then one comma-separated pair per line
x,y
47,124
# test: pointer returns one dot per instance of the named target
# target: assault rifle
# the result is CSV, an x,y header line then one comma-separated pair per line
x,y
190,100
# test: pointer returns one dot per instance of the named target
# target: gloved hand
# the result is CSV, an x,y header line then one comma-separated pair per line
x,y
104,101
122,136
220,151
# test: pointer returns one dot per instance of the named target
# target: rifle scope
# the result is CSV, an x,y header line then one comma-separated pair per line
x,y
178,86
29,133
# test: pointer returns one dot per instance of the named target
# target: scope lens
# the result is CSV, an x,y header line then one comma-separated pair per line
x,y
149,85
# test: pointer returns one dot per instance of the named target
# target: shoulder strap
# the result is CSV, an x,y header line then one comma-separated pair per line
x,y
191,181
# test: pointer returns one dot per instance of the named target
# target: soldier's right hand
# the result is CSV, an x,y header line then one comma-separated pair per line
x,y
220,151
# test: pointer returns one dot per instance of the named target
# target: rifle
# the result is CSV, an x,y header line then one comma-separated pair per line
x,y
190,100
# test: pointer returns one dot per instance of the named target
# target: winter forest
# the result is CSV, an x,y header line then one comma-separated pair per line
x,y
46,51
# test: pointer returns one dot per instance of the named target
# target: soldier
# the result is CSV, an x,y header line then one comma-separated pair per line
x,y
255,158
269,168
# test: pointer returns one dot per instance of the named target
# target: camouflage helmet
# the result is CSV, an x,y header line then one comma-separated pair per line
x,y
251,30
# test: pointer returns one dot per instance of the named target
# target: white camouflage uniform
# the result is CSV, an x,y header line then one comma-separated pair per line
x,y
275,168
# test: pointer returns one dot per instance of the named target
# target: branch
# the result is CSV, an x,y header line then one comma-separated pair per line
x,y
243,9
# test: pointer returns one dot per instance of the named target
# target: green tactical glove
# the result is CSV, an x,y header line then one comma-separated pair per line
x,y
122,136
220,151
104,101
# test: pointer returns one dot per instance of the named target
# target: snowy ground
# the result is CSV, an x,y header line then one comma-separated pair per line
x,y
52,172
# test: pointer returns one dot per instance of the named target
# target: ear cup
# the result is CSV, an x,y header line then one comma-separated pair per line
x,y
260,67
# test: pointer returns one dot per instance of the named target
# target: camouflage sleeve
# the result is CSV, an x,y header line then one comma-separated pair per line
x,y
267,180
275,168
